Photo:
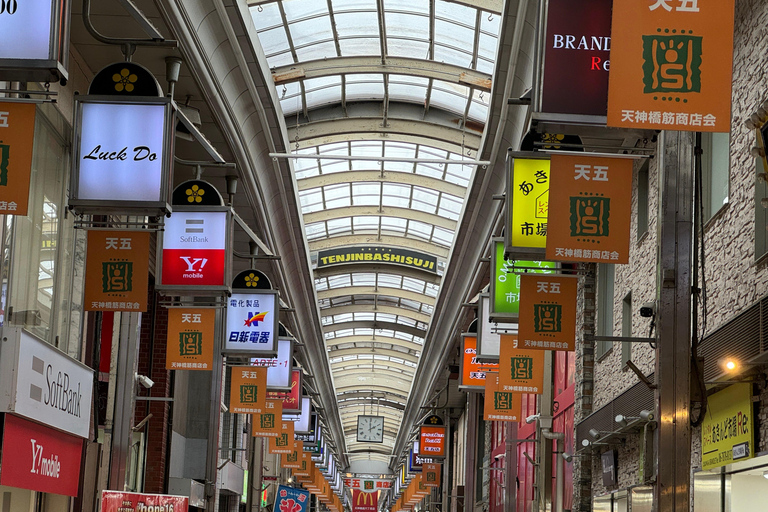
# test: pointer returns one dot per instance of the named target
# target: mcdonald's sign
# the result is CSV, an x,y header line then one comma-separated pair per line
x,y
364,501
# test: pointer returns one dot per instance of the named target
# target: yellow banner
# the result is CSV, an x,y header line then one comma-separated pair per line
x,y
530,202
728,431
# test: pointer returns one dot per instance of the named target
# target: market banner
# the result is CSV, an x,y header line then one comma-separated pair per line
x,y
269,422
17,133
248,390
728,431
367,484
191,339
431,474
548,312
528,202
116,271
118,501
473,372
290,499
377,254
596,193
283,443
292,460
671,65
364,501
500,405
520,371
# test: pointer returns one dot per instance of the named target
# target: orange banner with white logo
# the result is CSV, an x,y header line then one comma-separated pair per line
x,y
268,423
248,390
520,371
116,271
547,312
431,473
283,443
17,133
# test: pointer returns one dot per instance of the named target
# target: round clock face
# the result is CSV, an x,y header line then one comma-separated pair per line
x,y
370,429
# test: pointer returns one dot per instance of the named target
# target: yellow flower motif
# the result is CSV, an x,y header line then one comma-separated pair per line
x,y
252,280
124,80
195,194
552,137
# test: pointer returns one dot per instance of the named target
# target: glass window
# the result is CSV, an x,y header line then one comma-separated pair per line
x,y
715,171
605,279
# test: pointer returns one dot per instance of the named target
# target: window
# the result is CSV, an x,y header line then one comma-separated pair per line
x,y
604,327
642,199
626,329
715,171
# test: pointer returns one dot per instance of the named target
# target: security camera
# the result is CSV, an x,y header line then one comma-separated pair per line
x,y
533,417
499,456
648,309
145,381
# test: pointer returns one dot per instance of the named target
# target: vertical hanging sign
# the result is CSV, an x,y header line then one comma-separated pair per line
x,y
548,312
191,334
252,316
17,132
500,405
527,202
671,65
432,437
268,422
283,442
117,271
505,284
248,391
521,371
291,399
473,373
431,474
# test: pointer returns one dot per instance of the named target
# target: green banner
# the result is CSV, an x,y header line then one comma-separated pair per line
x,y
505,285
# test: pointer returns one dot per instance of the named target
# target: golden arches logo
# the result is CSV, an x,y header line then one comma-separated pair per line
x,y
364,498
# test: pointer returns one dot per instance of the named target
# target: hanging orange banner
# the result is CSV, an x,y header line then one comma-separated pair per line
x,y
17,132
248,391
520,371
547,312
306,466
432,441
283,443
191,334
268,423
671,63
292,460
117,271
431,474
500,405
596,192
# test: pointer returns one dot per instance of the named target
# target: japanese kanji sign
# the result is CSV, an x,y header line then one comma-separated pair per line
x,y
291,499
117,271
548,312
268,423
596,195
431,474
500,405
505,284
728,431
529,193
283,442
292,460
190,339
367,484
17,131
473,372
432,441
520,371
671,63
252,324
248,392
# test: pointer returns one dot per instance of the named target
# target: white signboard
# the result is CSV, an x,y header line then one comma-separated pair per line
x,y
489,333
251,326
278,368
41,383
194,248
25,29
301,421
121,152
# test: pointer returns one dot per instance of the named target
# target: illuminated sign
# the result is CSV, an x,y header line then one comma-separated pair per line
x,y
432,441
377,255
728,431
191,335
528,202
548,312
672,64
252,323
278,368
195,248
505,283
473,373
118,501
490,332
117,271
291,399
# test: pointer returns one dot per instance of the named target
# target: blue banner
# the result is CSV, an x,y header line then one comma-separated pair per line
x,y
289,499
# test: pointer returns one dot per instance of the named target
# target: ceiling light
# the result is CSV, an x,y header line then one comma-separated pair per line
x,y
731,365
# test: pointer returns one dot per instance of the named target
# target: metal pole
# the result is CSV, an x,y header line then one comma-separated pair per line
x,y
446,462
544,453
470,471
214,416
673,356
510,467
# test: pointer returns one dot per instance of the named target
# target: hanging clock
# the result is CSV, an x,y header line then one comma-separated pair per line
x,y
370,429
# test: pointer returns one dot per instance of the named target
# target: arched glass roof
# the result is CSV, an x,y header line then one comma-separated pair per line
x,y
385,103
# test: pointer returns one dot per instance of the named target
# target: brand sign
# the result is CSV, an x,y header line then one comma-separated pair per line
x,y
17,133
431,474
26,29
291,499
268,423
122,153
278,368
43,384
248,391
728,431
548,312
367,484
520,371
528,198
194,249
404,257
473,372
505,283
38,458
306,464
596,194
364,501
672,63
116,501
117,271
302,421
500,405
577,57
252,325
432,441
191,333
291,399
293,460
283,442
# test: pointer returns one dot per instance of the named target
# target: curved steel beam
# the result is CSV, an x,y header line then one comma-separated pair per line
x,y
376,211
361,324
403,178
380,267
380,292
370,308
376,366
413,358
383,240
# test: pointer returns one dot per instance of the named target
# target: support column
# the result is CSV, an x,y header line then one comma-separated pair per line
x,y
470,471
510,467
673,355
214,416
544,452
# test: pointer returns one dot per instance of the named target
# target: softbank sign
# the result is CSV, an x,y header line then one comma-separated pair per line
x,y
41,383
194,249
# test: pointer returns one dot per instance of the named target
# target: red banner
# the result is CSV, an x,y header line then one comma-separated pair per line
x,y
38,458
115,501
364,501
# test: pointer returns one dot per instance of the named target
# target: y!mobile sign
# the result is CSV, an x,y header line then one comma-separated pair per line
x,y
194,249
